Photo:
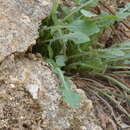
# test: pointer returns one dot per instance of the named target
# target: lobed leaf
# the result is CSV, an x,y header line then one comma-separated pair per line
x,y
71,97
77,37
85,26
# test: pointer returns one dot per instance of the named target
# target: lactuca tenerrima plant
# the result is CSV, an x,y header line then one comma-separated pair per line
x,y
67,40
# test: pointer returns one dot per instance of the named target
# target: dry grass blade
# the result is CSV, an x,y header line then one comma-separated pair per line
x,y
107,104
120,84
113,100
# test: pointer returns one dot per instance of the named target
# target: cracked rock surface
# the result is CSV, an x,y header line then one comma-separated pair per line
x,y
19,22
30,98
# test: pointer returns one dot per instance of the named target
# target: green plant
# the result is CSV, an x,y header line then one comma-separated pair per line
x,y
68,37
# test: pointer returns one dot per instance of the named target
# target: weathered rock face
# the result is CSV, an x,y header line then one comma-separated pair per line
x,y
43,108
19,22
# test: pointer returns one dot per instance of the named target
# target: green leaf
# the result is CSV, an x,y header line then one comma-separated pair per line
x,y
83,1
88,13
77,1
126,62
113,54
126,8
65,10
123,45
77,37
117,52
92,2
87,27
87,4
71,97
50,51
124,12
106,19
60,60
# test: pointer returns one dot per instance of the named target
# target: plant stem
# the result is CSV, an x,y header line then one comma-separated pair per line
x,y
77,9
116,82
119,67
113,100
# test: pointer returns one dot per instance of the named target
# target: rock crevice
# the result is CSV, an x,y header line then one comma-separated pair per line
x,y
19,23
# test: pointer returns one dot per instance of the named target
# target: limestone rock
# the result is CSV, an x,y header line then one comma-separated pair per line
x,y
19,22
30,98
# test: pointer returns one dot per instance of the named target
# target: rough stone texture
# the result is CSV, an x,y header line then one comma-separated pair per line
x,y
29,99
19,22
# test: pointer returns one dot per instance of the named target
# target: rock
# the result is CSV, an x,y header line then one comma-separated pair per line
x,y
19,22
30,98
